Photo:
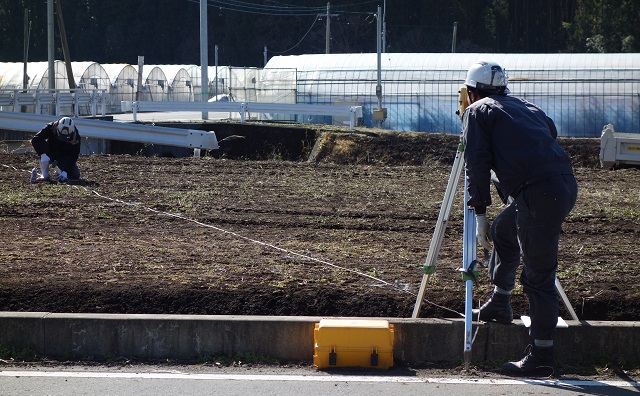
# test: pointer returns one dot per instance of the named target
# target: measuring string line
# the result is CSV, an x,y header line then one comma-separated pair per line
x,y
270,246
178,216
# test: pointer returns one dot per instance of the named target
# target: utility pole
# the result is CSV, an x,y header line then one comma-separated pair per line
x,y
265,56
384,28
327,46
65,46
51,52
139,96
328,15
204,56
379,114
379,44
27,33
453,41
215,60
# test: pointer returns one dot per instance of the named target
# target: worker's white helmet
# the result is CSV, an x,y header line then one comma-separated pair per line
x,y
488,77
65,129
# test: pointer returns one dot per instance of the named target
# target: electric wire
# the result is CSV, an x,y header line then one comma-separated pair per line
x,y
280,10
300,41
261,10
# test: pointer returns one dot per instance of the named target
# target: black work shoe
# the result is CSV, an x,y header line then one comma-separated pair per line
x,y
497,309
538,361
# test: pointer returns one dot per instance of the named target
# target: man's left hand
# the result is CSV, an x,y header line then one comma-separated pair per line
x,y
483,234
62,177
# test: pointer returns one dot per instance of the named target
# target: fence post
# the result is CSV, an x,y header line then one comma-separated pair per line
x,y
104,101
37,109
93,99
57,102
243,110
76,110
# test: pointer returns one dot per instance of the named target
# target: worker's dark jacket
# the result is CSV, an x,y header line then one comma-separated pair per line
x,y
513,137
66,153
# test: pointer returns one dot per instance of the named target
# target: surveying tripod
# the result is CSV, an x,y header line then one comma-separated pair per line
x,y
469,260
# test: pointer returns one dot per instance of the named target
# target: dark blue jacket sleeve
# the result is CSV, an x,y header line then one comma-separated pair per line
x,y
478,156
39,141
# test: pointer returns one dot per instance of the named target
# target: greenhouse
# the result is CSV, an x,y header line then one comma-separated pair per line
x,y
154,83
219,80
179,85
38,73
581,92
123,79
87,76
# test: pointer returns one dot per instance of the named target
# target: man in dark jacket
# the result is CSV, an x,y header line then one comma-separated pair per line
x,y
515,141
58,142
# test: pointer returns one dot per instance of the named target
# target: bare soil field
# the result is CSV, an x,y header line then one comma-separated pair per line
x,y
341,231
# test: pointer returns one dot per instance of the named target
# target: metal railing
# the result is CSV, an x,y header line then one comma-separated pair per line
x,y
98,129
62,101
245,108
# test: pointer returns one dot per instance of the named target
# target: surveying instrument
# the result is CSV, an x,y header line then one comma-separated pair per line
x,y
469,254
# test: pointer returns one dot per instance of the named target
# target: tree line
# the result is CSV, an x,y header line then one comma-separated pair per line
x,y
168,31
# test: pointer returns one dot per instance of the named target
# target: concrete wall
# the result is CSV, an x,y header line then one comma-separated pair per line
x,y
417,341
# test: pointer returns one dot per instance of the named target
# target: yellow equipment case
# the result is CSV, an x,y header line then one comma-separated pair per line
x,y
353,343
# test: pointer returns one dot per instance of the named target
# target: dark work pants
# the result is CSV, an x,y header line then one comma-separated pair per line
x,y
531,226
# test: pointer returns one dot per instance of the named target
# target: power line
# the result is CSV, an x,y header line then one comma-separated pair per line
x,y
252,6
278,9
298,43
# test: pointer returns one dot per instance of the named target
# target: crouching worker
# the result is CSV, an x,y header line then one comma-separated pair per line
x,y
58,144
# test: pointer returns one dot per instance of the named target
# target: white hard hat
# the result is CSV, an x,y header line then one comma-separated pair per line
x,y
487,76
65,129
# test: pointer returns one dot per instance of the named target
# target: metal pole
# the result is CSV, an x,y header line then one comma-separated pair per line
x,y
327,46
51,51
139,89
264,53
379,42
204,56
453,42
65,46
215,56
27,32
468,266
384,28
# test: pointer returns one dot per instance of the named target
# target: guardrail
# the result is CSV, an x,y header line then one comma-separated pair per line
x,y
116,131
15,98
243,108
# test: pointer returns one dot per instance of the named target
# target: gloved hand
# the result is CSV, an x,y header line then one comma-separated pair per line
x,y
483,234
62,177
44,158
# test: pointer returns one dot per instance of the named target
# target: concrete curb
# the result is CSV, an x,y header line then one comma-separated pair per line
x,y
417,341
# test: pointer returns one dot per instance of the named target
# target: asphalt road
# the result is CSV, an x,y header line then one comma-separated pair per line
x,y
192,380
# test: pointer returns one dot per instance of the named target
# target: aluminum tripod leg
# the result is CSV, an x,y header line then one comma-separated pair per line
x,y
566,301
468,266
441,225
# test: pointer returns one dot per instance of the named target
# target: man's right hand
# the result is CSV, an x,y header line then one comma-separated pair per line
x,y
483,234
